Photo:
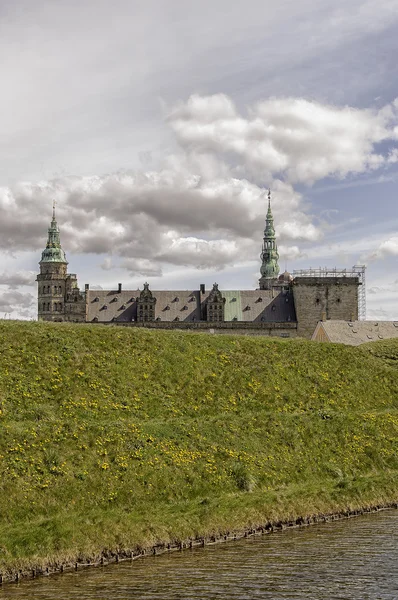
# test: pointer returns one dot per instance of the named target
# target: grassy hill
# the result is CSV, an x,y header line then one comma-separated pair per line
x,y
114,437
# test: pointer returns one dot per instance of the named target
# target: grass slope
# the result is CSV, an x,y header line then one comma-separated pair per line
x,y
115,437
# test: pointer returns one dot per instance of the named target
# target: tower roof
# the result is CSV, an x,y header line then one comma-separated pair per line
x,y
269,256
53,251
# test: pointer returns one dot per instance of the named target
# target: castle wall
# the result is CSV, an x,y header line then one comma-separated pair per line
x,y
321,298
51,292
284,330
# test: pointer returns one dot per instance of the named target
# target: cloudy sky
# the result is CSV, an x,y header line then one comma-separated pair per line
x,y
157,126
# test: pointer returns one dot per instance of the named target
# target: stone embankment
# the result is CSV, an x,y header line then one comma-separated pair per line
x,y
178,546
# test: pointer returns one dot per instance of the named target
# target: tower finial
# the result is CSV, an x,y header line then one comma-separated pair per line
x,y
269,199
54,203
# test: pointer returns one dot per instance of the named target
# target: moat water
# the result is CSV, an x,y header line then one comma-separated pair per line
x,y
352,559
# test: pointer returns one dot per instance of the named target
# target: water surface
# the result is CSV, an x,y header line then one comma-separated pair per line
x,y
352,559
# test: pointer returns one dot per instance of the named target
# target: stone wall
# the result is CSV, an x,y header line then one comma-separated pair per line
x,y
321,298
285,330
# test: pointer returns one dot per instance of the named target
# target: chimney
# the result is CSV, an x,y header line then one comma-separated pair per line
x,y
323,317
87,287
202,288
119,287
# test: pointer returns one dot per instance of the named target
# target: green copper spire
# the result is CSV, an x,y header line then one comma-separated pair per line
x,y
269,256
53,251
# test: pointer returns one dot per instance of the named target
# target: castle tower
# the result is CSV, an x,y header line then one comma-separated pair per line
x,y
52,278
269,256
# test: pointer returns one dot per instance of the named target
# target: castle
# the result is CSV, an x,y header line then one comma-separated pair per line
x,y
284,305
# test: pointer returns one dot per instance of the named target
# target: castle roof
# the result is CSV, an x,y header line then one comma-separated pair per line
x,y
186,305
53,251
354,333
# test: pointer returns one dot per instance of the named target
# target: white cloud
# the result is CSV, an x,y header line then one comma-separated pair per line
x,y
150,215
17,302
388,247
302,139
17,279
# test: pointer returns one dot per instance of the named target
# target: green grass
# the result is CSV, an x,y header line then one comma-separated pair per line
x,y
112,438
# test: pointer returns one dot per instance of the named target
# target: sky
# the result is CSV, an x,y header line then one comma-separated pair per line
x,y
158,127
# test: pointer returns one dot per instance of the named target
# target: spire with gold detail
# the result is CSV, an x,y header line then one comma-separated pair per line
x,y
269,256
53,251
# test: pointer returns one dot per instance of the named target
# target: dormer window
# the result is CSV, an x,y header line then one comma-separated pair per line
x,y
185,307
96,299
176,299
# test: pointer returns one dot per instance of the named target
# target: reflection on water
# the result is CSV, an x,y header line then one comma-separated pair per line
x,y
354,559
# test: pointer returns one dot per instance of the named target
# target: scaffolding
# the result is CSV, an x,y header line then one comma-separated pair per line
x,y
358,271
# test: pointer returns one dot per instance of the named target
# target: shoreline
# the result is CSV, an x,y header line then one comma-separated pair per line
x,y
114,557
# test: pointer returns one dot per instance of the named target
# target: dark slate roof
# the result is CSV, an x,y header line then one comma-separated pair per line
x,y
186,305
